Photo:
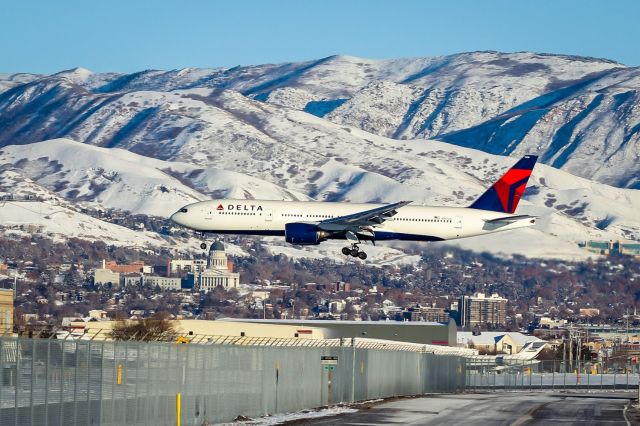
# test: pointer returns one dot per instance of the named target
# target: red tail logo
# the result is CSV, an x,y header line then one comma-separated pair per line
x,y
505,194
511,187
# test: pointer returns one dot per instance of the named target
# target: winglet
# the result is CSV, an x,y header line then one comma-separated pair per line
x,y
505,194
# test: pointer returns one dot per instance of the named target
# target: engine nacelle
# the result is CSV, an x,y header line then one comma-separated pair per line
x,y
304,234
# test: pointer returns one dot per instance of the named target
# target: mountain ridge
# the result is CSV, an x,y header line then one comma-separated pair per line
x,y
498,102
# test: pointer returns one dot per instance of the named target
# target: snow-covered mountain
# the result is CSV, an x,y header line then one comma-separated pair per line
x,y
580,114
340,128
571,209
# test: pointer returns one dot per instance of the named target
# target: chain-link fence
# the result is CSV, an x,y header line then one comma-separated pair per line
x,y
81,382
492,373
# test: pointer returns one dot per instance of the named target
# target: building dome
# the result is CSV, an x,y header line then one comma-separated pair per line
x,y
217,246
217,258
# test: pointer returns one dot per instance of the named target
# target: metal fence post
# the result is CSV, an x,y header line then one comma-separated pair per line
x,y
149,395
601,377
353,370
33,378
18,356
125,379
46,383
64,342
137,382
114,377
100,395
75,385
89,381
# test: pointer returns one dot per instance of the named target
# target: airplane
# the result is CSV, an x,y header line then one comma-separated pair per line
x,y
312,222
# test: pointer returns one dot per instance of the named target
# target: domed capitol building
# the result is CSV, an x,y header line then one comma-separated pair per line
x,y
219,271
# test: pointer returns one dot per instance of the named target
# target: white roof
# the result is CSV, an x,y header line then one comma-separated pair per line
x,y
329,322
490,337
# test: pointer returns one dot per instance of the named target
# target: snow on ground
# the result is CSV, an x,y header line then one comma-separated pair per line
x,y
277,419
526,242
57,220
116,178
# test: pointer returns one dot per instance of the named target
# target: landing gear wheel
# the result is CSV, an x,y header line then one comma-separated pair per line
x,y
346,251
203,246
362,255
354,252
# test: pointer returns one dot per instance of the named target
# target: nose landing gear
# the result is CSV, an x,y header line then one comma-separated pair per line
x,y
354,251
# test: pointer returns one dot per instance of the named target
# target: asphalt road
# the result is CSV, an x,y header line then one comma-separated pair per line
x,y
493,409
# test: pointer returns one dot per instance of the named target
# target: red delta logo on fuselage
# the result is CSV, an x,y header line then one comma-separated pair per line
x,y
241,207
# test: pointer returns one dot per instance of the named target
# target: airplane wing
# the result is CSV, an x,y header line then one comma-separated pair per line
x,y
362,219
509,219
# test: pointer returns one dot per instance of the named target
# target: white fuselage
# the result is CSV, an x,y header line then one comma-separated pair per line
x,y
413,223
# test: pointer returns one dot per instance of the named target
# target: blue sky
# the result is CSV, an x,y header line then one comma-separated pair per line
x,y
47,36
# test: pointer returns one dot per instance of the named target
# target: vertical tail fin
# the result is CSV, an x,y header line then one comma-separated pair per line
x,y
505,194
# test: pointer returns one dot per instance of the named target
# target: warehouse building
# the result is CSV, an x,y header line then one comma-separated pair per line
x,y
428,333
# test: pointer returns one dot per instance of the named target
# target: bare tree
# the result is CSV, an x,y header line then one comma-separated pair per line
x,y
156,328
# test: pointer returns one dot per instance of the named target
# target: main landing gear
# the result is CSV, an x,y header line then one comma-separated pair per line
x,y
354,251
203,245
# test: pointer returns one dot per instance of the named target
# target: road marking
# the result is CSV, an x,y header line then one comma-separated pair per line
x,y
624,413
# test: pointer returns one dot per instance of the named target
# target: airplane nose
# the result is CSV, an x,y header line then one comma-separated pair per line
x,y
175,218
180,217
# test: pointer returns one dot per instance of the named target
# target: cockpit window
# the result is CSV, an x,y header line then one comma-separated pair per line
x,y
183,210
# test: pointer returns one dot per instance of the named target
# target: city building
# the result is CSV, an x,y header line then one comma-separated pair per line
x,y
429,333
630,248
102,276
426,313
330,287
337,306
182,266
137,266
481,310
98,314
165,283
6,311
219,272
589,312
546,322
498,342
132,280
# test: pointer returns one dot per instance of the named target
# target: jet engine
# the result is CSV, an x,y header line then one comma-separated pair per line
x,y
304,234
